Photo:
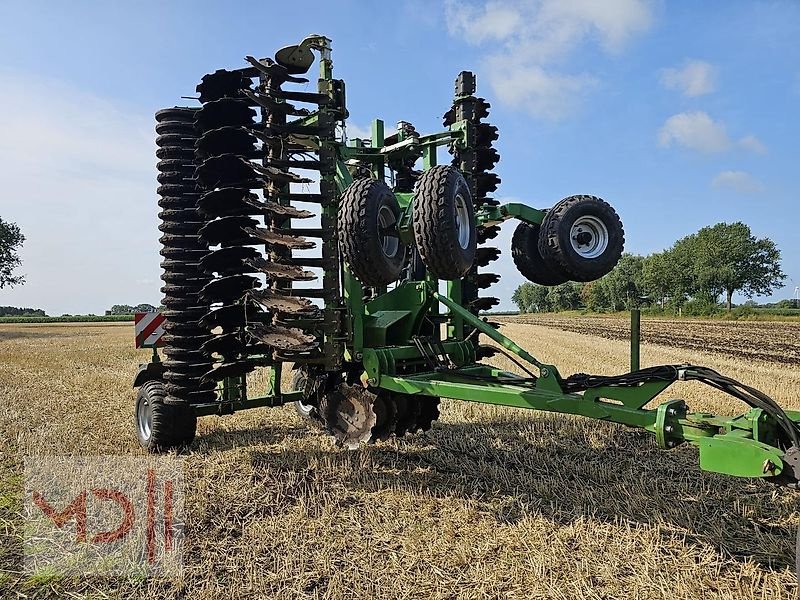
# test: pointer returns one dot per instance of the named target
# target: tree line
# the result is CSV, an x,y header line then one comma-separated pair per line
x,y
694,273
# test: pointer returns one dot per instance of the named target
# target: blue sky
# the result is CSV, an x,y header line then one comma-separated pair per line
x,y
681,114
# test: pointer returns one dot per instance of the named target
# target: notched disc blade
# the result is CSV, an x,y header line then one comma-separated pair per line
x,y
348,415
274,270
484,256
278,209
229,369
225,112
227,230
285,304
283,338
232,316
227,288
227,170
279,176
222,83
230,201
225,140
279,239
228,260
225,344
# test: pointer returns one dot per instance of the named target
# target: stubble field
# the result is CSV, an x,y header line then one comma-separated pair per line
x,y
491,503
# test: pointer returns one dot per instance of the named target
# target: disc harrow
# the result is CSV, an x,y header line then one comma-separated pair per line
x,y
362,264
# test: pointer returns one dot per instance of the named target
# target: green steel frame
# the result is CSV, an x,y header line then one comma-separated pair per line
x,y
379,332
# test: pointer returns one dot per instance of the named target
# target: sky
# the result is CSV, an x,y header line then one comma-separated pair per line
x,y
681,114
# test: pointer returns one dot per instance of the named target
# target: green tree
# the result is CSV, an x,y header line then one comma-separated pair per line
x,y
530,297
121,309
623,286
727,258
594,296
566,296
144,307
539,298
11,240
522,297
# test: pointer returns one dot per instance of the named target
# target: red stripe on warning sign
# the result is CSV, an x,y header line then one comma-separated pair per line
x,y
145,325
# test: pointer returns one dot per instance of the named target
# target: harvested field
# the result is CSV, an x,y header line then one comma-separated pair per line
x,y
773,341
491,503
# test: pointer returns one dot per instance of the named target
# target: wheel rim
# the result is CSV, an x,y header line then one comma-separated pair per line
x,y
589,237
305,408
387,231
144,419
463,222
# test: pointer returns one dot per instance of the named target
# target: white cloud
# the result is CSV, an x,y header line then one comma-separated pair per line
x,y
698,131
531,39
695,130
79,179
356,131
739,181
752,143
695,78
494,21
543,93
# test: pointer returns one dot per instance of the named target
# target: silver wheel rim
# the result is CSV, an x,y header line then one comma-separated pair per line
x,y
463,223
386,221
144,419
589,237
305,408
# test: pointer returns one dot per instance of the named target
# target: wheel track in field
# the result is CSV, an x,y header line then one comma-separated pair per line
x,y
770,341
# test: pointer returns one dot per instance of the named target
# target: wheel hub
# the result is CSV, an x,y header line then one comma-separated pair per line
x,y
589,237
144,419
387,225
463,225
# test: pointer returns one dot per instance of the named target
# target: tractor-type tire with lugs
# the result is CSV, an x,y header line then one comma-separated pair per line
x,y
530,264
168,426
368,237
582,236
444,222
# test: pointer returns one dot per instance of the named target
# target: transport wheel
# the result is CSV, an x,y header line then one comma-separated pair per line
x,y
530,264
303,408
444,222
582,236
368,236
162,427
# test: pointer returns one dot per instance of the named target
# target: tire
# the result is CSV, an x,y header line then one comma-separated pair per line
x,y
162,427
368,209
582,236
530,264
306,411
444,222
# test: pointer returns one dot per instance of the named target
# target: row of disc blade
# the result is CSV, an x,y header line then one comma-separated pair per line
x,y
182,250
246,160
476,163
354,415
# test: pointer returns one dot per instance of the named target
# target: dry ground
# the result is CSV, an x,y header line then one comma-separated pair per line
x,y
492,503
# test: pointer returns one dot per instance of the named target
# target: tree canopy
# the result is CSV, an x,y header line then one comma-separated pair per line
x,y
128,309
11,240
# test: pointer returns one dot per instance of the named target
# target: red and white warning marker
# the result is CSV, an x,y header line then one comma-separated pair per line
x,y
149,327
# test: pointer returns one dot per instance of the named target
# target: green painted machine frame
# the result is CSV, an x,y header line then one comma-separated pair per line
x,y
376,338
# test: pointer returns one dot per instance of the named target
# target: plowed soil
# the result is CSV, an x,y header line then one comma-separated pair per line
x,y
770,341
